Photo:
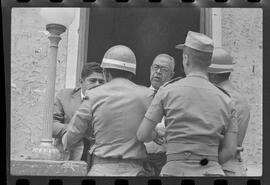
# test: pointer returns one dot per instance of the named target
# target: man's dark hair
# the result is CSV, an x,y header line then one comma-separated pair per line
x,y
224,76
116,73
90,68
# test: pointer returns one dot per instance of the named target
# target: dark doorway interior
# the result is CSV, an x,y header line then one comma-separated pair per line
x,y
147,31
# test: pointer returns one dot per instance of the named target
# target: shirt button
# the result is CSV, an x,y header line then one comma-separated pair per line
x,y
204,162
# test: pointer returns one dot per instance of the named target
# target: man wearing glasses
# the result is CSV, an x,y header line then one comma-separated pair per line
x,y
67,101
162,70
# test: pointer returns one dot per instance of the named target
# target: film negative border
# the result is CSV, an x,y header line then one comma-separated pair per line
x,y
150,1
264,4
136,181
138,3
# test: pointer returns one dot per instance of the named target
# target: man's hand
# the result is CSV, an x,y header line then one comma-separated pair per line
x,y
160,133
159,140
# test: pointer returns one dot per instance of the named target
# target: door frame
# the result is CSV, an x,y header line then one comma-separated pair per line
x,y
210,24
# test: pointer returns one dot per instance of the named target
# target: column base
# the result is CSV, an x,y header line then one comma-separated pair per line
x,y
47,168
46,151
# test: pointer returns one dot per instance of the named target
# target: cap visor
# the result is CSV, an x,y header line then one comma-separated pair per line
x,y
180,46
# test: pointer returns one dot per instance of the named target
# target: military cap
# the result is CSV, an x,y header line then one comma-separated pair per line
x,y
197,41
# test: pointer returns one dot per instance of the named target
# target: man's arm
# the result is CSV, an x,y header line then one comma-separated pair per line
x,y
229,142
78,125
146,131
59,127
243,121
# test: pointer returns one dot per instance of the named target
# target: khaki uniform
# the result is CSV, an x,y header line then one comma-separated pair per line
x,y
197,115
114,112
156,153
235,167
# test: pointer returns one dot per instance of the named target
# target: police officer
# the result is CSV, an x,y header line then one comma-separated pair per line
x,y
219,73
114,111
200,128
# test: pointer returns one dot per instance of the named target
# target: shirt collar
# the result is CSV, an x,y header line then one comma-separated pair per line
x,y
82,95
225,84
152,88
198,74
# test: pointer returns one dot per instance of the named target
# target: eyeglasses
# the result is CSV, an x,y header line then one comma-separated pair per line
x,y
163,69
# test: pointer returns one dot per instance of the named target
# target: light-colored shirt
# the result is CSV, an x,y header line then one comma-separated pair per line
x,y
197,115
152,147
114,112
242,117
82,95
240,104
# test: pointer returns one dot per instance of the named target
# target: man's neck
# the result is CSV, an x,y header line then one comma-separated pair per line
x,y
198,73
153,88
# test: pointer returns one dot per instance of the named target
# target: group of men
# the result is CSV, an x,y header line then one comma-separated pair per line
x,y
176,127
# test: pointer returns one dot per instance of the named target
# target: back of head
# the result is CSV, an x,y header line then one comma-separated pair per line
x,y
198,48
120,61
198,59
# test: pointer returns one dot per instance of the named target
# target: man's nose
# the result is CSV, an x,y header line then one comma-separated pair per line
x,y
159,70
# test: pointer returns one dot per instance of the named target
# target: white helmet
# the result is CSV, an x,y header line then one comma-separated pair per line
x,y
222,62
120,57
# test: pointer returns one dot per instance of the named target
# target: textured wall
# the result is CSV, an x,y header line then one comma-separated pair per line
x,y
242,36
29,46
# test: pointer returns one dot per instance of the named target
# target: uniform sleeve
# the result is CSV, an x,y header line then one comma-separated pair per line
x,y
78,125
233,123
59,127
155,111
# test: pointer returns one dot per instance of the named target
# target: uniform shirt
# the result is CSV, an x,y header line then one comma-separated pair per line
x,y
114,112
242,117
240,104
152,147
197,114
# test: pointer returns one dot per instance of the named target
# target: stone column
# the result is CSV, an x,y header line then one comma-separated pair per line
x,y
46,150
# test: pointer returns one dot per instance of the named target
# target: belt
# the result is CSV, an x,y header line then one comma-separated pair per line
x,y
106,160
203,160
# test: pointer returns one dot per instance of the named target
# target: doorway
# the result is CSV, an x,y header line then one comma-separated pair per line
x,y
147,31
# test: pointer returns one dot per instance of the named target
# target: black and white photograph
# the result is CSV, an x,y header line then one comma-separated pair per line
x,y
135,92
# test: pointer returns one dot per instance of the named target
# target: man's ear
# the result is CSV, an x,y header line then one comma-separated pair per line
x,y
107,76
185,60
172,75
81,81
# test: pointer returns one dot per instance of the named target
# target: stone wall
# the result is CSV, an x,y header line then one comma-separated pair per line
x,y
29,47
242,37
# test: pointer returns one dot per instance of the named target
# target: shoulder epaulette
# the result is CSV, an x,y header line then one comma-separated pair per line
x,y
172,81
225,92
